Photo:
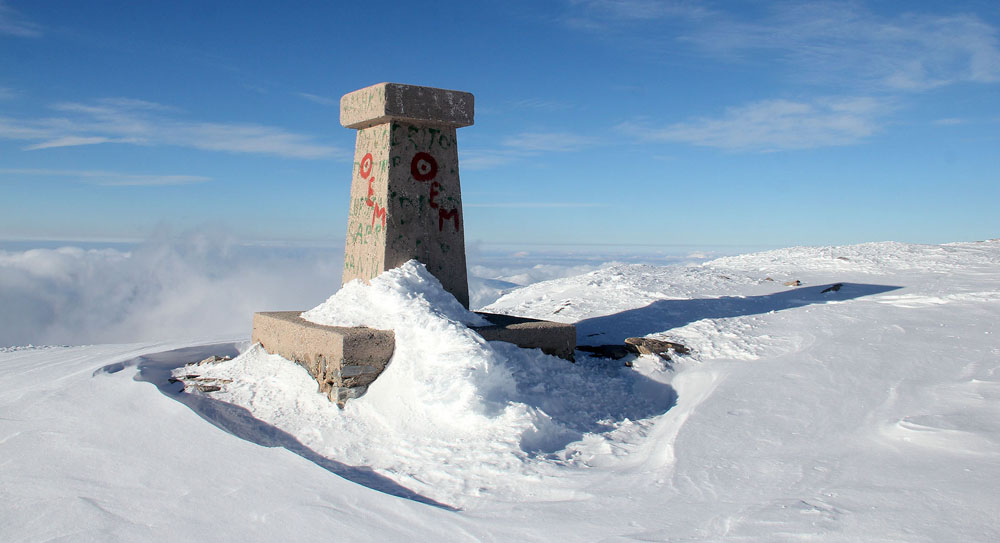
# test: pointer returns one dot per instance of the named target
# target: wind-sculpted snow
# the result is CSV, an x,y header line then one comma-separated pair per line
x,y
453,417
859,404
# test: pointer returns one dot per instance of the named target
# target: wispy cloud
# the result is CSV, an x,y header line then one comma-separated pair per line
x,y
73,141
773,125
530,205
106,178
138,122
484,159
539,104
951,121
525,145
538,142
321,100
840,43
7,93
603,14
13,23
843,42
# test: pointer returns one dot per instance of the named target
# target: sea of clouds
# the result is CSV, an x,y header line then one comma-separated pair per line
x,y
183,286
202,285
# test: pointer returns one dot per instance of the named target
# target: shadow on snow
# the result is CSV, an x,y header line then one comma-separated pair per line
x,y
571,394
663,315
156,369
592,396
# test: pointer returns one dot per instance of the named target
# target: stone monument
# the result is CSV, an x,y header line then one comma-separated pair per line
x,y
406,203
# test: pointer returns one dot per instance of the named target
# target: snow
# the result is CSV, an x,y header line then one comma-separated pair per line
x,y
868,413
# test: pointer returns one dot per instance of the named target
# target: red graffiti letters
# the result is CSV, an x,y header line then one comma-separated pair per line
x,y
434,194
366,166
423,167
444,215
365,169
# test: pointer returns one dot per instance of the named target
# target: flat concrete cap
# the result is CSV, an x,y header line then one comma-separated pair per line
x,y
387,102
337,356
555,338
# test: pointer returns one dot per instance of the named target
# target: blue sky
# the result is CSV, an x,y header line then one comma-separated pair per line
x,y
631,122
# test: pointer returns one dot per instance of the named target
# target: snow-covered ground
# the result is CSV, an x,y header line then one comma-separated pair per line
x,y
867,412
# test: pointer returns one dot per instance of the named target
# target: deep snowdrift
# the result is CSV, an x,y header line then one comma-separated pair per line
x,y
863,412
453,417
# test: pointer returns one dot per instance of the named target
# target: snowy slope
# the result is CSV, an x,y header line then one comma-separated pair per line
x,y
868,412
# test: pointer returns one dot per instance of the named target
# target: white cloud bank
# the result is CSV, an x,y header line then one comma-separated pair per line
x,y
138,122
193,286
205,286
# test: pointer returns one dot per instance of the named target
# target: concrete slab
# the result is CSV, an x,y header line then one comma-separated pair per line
x,y
383,102
343,360
554,338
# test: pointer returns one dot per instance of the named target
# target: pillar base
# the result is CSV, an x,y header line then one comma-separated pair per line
x,y
554,338
344,360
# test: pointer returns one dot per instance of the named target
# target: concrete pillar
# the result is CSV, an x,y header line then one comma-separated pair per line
x,y
406,200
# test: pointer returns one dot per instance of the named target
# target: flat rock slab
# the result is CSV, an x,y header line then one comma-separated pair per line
x,y
344,360
386,102
554,338
647,345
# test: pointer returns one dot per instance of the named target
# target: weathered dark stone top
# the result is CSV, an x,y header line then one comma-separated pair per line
x,y
387,102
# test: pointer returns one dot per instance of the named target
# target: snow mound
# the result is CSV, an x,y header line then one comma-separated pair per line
x,y
406,291
453,416
441,369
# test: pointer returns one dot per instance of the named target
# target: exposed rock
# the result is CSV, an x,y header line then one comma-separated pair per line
x,y
645,345
793,283
832,288
214,360
195,382
208,388
614,352
636,345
